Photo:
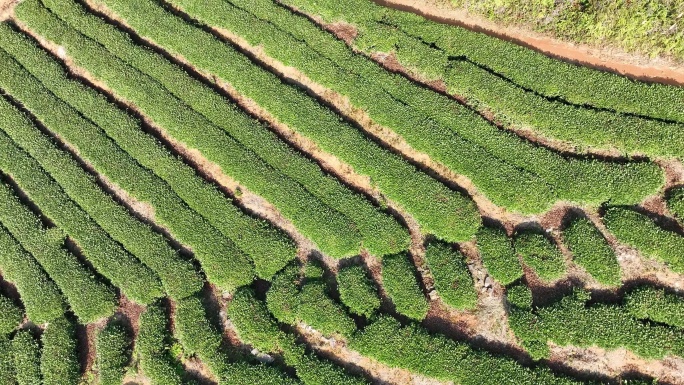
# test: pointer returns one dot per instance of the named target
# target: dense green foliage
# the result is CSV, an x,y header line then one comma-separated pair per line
x,y
59,359
200,337
152,348
381,234
440,210
640,232
400,282
219,250
675,202
291,302
541,254
333,232
358,291
10,316
411,347
591,251
427,46
498,254
40,296
107,256
269,249
26,357
453,281
178,276
657,305
258,328
511,172
571,321
113,349
88,297
7,373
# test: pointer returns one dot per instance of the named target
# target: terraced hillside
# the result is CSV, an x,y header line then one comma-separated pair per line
x,y
327,192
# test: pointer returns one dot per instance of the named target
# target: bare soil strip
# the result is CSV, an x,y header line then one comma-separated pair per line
x,y
629,65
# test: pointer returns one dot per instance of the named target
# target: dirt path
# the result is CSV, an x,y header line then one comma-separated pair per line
x,y
630,65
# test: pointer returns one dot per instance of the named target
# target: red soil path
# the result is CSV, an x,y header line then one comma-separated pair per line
x,y
638,68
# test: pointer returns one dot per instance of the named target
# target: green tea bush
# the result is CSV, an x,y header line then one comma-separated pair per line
x,y
675,202
657,305
26,357
52,164
88,297
200,337
524,67
571,321
401,285
152,348
169,185
413,348
257,327
113,349
291,303
453,281
219,251
108,257
357,291
7,373
519,295
333,232
541,254
591,251
640,232
381,233
59,355
510,171
39,294
440,210
10,316
498,255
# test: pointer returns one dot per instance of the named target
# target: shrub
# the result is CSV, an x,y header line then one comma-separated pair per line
x,y
200,337
437,205
381,233
591,251
256,327
443,45
453,281
657,305
638,231
401,285
7,373
59,359
39,294
357,291
413,348
291,303
26,354
571,321
113,348
211,248
510,171
167,178
59,174
152,348
498,255
541,254
10,316
88,297
106,255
